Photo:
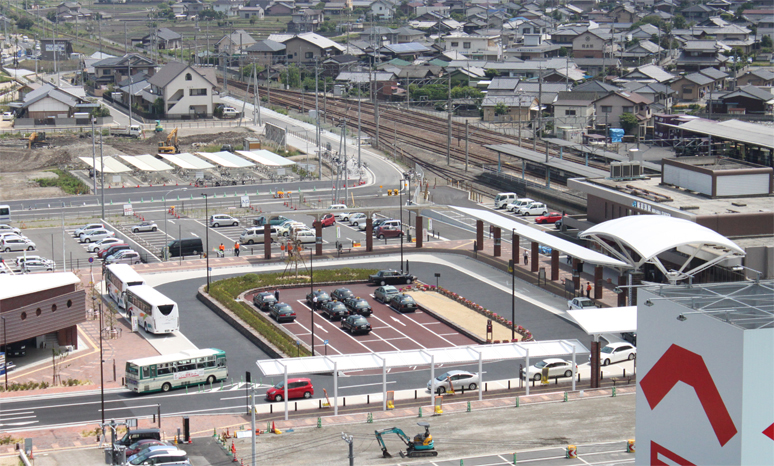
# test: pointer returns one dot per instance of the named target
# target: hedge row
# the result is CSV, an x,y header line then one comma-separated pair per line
x,y
226,291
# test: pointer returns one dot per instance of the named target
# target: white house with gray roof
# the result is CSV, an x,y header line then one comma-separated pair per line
x,y
184,90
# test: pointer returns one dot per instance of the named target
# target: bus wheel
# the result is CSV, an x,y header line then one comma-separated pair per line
x,y
211,379
166,387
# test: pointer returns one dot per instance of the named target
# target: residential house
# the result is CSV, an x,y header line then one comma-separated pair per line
x,y
660,94
163,39
718,77
574,109
305,20
252,12
385,83
72,11
194,7
267,52
227,7
49,101
308,46
698,54
180,10
406,34
564,35
645,31
756,77
648,73
130,91
280,9
608,109
382,9
408,51
337,64
503,85
234,43
692,87
516,107
184,90
115,69
747,100
597,66
698,13
623,14
534,47
59,49
644,51
590,44
419,72
473,46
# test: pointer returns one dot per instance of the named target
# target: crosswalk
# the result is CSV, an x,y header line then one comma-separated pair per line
x,y
17,418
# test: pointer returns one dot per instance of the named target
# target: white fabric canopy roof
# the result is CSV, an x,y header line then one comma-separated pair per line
x,y
111,165
607,320
226,159
265,157
539,236
395,359
187,161
146,162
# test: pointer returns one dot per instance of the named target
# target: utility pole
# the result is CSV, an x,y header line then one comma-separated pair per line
x,y
376,121
102,177
351,442
346,162
449,124
93,152
126,44
467,135
129,71
359,135
317,118
256,98
540,109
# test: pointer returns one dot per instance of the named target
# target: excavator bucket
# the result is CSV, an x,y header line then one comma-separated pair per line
x,y
386,454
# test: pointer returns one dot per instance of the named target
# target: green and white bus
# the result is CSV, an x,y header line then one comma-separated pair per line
x,y
163,373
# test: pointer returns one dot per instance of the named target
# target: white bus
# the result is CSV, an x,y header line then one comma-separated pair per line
x,y
163,373
119,277
5,213
155,312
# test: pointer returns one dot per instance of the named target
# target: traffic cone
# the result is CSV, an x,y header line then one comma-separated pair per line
x,y
273,429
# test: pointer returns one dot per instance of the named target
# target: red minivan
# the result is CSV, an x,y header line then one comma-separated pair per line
x,y
297,388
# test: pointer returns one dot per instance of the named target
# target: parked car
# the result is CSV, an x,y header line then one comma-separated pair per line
x,y
29,257
503,199
264,300
132,436
161,455
388,232
88,226
328,220
322,297
385,293
391,277
616,352
358,306
103,243
7,116
631,337
342,216
335,310
112,249
145,226
18,349
535,208
357,218
297,388
223,219
36,266
140,445
273,220
556,368
129,256
379,222
342,294
402,302
230,112
17,243
253,235
97,234
356,324
305,236
282,311
9,229
551,217
515,205
581,303
457,379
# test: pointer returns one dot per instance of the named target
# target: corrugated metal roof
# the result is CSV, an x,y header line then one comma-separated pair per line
x,y
226,159
532,156
111,165
267,158
146,162
732,130
595,150
187,161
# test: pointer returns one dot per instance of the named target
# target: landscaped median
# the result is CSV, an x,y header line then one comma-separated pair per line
x,y
225,299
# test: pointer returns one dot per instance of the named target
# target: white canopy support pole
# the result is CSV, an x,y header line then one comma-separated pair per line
x,y
335,388
432,379
526,372
480,373
384,384
286,391
574,368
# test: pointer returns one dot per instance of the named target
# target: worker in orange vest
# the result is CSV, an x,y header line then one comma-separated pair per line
x,y
222,250
236,249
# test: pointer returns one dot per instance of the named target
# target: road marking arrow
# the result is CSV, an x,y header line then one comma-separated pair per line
x,y
321,327
398,321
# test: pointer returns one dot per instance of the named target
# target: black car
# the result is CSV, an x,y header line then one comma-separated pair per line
x,y
264,300
391,277
355,324
403,303
335,310
283,312
18,349
342,294
631,337
358,306
322,298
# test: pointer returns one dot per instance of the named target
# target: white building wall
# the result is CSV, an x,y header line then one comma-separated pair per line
x,y
49,105
695,181
743,185
757,397
182,107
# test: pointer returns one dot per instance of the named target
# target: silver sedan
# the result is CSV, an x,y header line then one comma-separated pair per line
x,y
145,226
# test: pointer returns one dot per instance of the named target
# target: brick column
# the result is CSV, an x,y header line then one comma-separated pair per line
x,y
595,364
318,237
514,248
480,235
497,242
535,257
598,282
267,241
622,296
554,265
575,275
369,234
419,221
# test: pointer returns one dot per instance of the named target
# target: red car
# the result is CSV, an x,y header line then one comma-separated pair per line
x,y
139,445
328,220
297,388
112,249
551,217
388,232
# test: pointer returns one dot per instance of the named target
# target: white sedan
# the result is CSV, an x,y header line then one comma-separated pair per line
x,y
458,379
581,303
306,236
145,226
105,243
556,368
92,236
617,352
36,266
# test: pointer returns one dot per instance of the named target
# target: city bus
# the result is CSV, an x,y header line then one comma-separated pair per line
x,y
163,373
5,213
119,277
155,312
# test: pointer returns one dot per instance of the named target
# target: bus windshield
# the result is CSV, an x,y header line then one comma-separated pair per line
x,y
132,369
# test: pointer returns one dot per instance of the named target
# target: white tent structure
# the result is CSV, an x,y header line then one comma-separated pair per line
x,y
111,165
639,239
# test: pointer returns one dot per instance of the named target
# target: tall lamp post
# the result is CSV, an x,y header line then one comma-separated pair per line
x,y
400,200
513,292
5,347
101,366
311,289
166,254
207,239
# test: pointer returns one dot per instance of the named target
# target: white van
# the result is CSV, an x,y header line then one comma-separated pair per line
x,y
256,235
337,207
503,199
518,203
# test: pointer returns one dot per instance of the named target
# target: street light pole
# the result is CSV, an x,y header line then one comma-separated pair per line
x,y
207,239
311,281
165,213
513,292
400,197
5,348
101,368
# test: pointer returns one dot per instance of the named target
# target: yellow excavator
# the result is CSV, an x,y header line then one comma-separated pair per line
x,y
36,139
170,146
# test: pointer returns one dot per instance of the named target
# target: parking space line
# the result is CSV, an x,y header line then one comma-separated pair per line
x,y
338,328
434,333
213,230
309,332
385,323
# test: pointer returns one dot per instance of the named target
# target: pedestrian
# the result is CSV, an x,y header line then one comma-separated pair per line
x,y
588,289
314,303
526,258
236,249
569,259
221,250
276,294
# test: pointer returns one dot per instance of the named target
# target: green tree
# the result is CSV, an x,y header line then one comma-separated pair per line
x,y
492,73
252,20
562,52
24,23
247,70
501,109
766,42
158,106
293,76
679,22
629,122
51,16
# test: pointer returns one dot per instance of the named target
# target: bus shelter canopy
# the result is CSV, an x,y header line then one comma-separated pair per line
x,y
226,159
266,158
187,161
111,165
146,162
608,320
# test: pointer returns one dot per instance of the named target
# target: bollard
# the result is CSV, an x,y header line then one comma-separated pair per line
x,y
420,411
370,418
468,406
517,401
565,397
319,423
462,462
630,446
186,389
514,458
571,452
613,390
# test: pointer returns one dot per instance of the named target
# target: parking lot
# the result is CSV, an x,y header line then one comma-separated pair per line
x,y
390,330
